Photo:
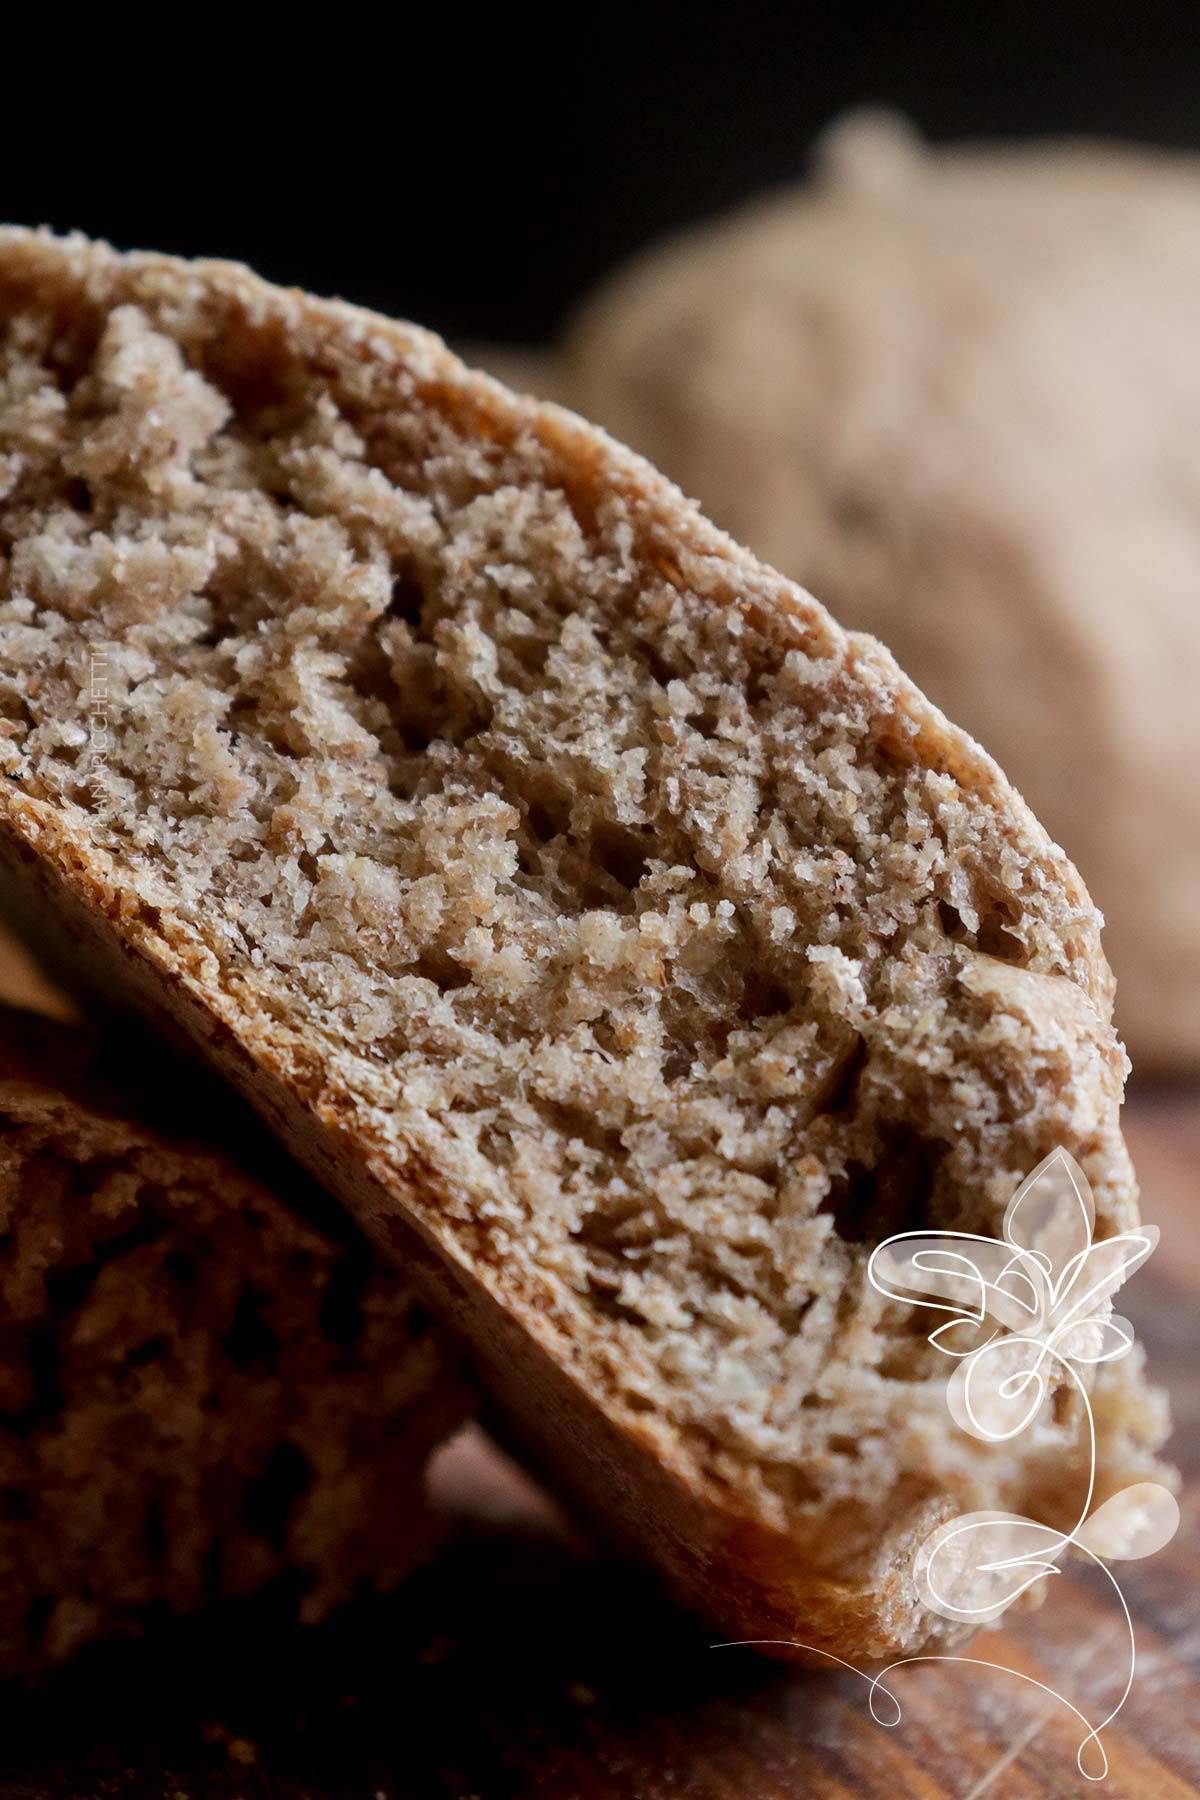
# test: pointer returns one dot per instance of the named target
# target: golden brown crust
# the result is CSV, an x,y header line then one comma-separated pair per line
x,y
979,1069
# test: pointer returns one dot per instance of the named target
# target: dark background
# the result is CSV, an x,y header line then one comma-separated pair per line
x,y
478,171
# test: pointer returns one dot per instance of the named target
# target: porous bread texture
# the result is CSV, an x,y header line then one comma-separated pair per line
x,y
199,1393
958,394
607,913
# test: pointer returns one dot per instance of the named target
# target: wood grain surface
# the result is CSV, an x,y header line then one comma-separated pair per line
x,y
526,1662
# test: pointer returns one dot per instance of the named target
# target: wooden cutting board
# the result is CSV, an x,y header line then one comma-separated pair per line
x,y
525,1662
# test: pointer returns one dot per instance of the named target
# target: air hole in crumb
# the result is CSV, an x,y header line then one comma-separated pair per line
x,y
67,1289
870,1204
621,855
180,1267
761,681
677,1062
951,921
254,367
496,1145
609,1306
995,939
651,653
73,347
250,1339
894,751
845,1078
443,971
785,1479
271,1495
529,652
341,1314
906,1360
78,494
369,671
577,1125
415,738
407,601
542,823
763,998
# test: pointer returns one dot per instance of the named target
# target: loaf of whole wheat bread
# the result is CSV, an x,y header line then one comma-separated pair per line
x,y
200,1393
627,945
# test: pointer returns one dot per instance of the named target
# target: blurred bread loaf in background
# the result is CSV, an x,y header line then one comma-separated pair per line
x,y
957,394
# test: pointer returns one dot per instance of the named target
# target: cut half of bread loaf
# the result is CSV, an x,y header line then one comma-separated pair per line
x,y
200,1393
627,945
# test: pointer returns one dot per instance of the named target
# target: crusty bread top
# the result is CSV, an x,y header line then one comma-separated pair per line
x,y
654,938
